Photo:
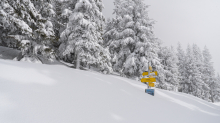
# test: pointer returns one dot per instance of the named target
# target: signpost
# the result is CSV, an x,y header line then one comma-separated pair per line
x,y
151,76
151,84
150,80
146,73
150,91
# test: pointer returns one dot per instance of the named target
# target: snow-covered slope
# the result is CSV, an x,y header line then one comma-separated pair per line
x,y
218,103
36,93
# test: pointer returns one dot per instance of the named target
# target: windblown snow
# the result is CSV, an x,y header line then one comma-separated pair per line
x,y
37,93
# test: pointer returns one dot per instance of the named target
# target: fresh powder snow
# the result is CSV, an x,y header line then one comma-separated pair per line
x,y
38,93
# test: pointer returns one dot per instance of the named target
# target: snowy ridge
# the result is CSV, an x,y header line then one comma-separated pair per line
x,y
39,93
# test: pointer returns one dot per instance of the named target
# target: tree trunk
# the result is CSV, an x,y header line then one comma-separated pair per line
x,y
212,97
78,61
211,87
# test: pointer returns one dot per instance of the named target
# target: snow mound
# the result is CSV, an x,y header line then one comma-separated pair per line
x,y
31,59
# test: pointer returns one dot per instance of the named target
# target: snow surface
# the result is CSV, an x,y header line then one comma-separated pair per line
x,y
38,93
218,103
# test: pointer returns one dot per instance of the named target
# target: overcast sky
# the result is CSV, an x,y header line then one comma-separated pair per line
x,y
184,21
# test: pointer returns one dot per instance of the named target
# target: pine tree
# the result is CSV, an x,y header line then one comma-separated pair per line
x,y
215,89
20,20
129,35
45,32
12,15
202,88
122,36
187,87
193,80
62,9
81,40
181,67
169,61
208,72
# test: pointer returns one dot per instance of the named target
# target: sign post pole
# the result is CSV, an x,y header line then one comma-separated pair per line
x,y
150,79
149,70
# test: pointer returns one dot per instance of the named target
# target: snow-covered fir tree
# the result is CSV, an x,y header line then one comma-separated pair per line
x,y
181,67
208,72
215,89
187,87
131,39
12,15
193,83
46,28
196,73
202,89
62,9
169,61
20,20
81,40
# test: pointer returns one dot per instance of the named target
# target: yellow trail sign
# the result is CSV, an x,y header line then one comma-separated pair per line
x,y
151,76
146,73
148,80
151,84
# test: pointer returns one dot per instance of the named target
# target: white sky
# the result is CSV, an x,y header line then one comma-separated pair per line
x,y
184,21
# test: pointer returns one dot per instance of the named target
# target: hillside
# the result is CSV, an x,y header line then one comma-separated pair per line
x,y
38,93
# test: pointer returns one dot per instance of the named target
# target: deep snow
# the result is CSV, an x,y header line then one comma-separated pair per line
x,y
38,93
